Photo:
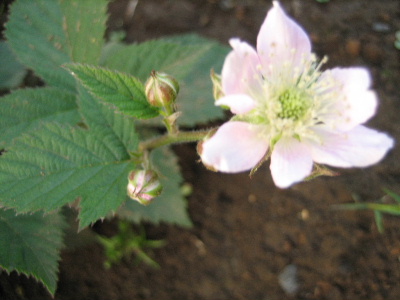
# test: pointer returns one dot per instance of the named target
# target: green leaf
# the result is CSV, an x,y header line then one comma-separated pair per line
x,y
120,90
44,34
118,127
27,109
196,99
84,25
189,58
12,73
393,209
55,165
171,205
395,196
140,59
31,244
35,34
379,221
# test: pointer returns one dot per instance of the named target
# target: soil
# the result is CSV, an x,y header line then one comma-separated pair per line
x,y
251,240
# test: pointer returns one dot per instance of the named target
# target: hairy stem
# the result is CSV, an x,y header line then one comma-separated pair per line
x,y
178,137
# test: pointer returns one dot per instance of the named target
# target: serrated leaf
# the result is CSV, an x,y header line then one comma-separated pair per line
x,y
26,109
44,34
140,59
171,205
31,244
196,99
84,24
12,73
34,32
113,124
57,164
120,90
189,58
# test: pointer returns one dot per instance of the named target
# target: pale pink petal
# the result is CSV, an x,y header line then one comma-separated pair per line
x,y
239,73
281,40
360,147
291,162
356,103
235,147
238,103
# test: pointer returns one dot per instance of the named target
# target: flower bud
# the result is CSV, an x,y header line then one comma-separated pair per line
x,y
143,186
161,89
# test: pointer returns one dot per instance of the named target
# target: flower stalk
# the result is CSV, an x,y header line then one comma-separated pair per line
x,y
175,138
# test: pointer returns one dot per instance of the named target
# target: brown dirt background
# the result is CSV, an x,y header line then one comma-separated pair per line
x,y
246,231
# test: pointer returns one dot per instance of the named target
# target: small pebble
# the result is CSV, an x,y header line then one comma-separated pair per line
x,y
353,47
380,27
252,198
304,214
288,280
227,4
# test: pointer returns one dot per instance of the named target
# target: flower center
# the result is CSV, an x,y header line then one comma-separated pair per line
x,y
294,104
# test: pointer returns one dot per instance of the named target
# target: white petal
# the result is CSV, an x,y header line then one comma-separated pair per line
x,y
238,103
356,103
281,40
360,147
291,162
235,147
239,73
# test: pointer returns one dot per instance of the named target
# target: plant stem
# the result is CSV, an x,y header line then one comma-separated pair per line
x,y
168,138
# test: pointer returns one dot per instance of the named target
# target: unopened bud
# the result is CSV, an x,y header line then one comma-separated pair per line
x,y
161,89
143,186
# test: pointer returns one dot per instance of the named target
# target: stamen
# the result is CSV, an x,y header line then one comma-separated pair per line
x,y
293,104
293,98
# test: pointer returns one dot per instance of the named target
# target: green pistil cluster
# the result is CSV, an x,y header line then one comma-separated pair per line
x,y
294,104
